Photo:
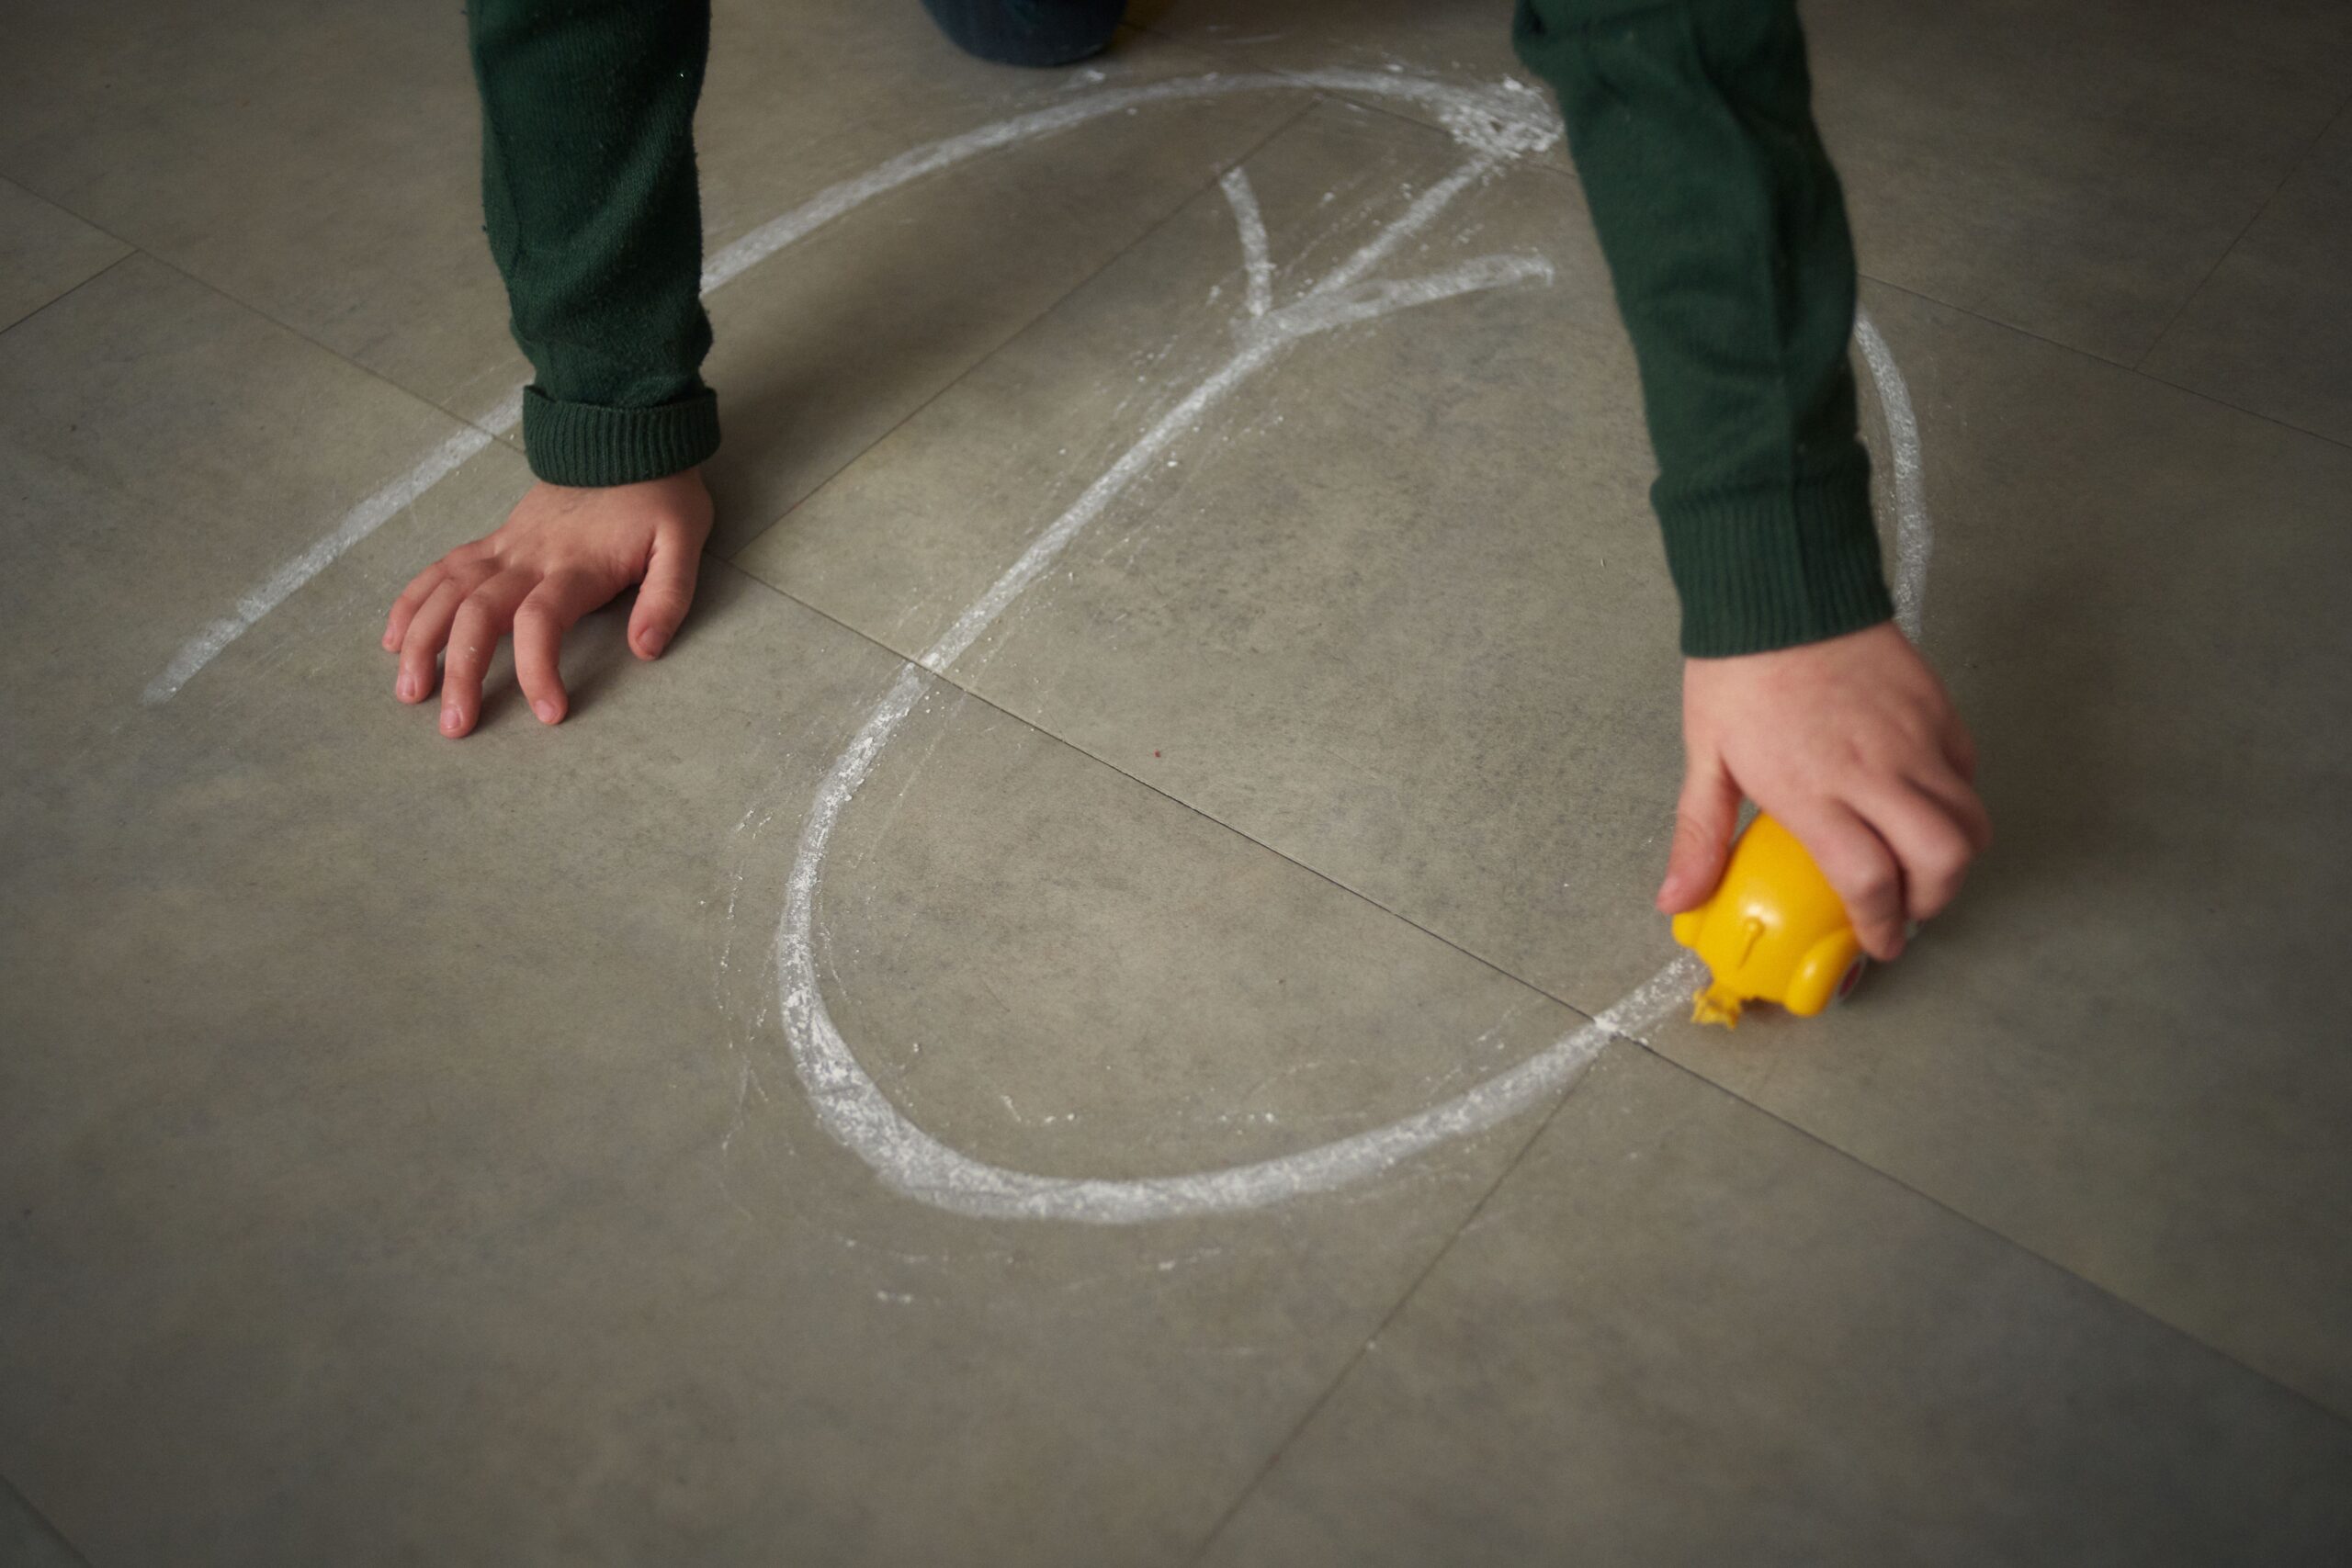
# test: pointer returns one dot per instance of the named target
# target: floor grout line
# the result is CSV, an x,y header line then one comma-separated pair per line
x,y
74,290
81,218
2286,425
411,393
24,1507
236,300
2293,167
2102,360
1396,1310
1848,1156
1985,1227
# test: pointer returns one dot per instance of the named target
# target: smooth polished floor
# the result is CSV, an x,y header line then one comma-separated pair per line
x,y
1143,1107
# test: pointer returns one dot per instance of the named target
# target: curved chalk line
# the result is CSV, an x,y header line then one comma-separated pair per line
x,y
854,1109
1914,535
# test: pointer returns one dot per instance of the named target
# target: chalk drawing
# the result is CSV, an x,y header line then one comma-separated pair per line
x,y
1496,126
855,1109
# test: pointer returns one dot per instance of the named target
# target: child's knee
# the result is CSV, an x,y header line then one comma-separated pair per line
x,y
1028,33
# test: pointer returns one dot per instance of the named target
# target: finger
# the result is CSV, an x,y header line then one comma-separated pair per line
x,y
482,620
551,610
412,600
1861,868
1704,821
1960,801
668,589
1933,849
1960,748
421,644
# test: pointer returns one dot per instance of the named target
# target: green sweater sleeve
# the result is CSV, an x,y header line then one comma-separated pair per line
x,y
1691,123
590,201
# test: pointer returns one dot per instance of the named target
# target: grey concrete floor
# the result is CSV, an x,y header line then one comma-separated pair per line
x,y
403,1153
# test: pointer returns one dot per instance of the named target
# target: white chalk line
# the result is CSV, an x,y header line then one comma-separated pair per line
x,y
1915,537
1256,256
1488,118
358,523
1418,216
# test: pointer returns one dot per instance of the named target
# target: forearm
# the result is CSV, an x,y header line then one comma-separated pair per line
x,y
594,218
1691,128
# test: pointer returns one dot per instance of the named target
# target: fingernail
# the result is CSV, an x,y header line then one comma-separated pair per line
x,y
448,721
546,710
653,642
405,688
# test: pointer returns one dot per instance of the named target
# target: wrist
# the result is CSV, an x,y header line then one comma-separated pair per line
x,y
589,446
1773,566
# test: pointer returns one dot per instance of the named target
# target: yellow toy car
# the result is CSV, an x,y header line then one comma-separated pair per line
x,y
1774,931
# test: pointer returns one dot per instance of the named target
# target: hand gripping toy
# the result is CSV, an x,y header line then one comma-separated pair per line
x,y
1774,931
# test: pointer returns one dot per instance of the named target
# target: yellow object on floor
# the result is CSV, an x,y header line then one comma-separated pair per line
x,y
1774,931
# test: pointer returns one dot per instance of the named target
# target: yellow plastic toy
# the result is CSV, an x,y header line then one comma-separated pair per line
x,y
1774,931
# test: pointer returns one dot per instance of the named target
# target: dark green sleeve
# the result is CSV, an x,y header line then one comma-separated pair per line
x,y
1690,122
589,196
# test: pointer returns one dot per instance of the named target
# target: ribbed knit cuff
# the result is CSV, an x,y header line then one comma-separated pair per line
x,y
1766,569
588,445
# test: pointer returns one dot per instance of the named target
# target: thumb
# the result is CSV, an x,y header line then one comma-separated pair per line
x,y
1703,821
667,593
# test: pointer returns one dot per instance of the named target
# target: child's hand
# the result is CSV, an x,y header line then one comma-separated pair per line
x,y
560,554
1853,745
